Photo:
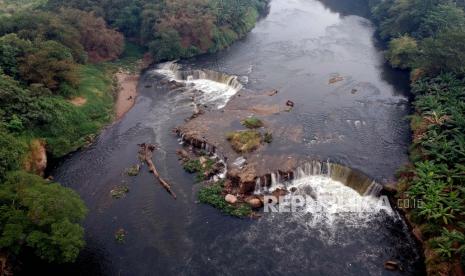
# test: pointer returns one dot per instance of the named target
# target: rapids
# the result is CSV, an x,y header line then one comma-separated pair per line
x,y
357,122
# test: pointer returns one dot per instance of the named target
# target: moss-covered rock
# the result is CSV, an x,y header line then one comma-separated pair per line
x,y
245,141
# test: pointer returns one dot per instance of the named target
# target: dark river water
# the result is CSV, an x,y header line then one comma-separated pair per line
x,y
359,122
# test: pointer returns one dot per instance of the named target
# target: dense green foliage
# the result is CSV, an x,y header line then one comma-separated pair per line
x,y
212,194
174,29
43,67
42,216
202,167
428,37
54,52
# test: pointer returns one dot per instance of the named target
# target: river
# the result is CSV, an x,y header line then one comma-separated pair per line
x,y
359,122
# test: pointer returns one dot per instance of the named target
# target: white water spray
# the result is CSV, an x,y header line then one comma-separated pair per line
x,y
215,87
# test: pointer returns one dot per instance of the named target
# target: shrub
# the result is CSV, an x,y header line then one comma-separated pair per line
x,y
245,141
213,195
252,122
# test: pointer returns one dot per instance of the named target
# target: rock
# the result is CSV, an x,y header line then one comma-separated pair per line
x,y
391,265
229,198
254,202
290,103
244,179
390,188
335,79
183,154
203,160
279,193
272,92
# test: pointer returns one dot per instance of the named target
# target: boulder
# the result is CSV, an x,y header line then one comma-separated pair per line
x,y
290,103
203,160
391,265
183,154
231,199
254,202
279,193
243,179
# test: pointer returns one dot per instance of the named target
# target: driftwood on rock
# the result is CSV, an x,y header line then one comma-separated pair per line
x,y
145,153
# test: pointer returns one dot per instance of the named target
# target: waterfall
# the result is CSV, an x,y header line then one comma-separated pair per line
x,y
332,193
351,178
215,87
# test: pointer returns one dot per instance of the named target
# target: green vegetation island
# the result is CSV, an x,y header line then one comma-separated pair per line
x,y
58,86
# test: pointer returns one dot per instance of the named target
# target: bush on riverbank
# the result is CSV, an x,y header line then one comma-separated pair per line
x,y
212,194
48,93
428,37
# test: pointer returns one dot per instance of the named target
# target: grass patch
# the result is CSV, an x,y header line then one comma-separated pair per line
x,y
133,170
268,138
120,235
70,127
252,122
245,141
213,195
119,192
202,170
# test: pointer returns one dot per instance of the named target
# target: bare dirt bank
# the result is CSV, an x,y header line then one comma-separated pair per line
x,y
127,92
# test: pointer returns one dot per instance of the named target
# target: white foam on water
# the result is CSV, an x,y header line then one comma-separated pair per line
x,y
216,88
330,202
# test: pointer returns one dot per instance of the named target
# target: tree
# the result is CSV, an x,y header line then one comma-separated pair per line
x,y
44,26
167,46
11,151
444,53
12,48
441,18
42,216
402,52
100,42
49,63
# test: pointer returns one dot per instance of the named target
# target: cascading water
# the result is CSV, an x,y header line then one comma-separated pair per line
x,y
349,177
214,87
332,193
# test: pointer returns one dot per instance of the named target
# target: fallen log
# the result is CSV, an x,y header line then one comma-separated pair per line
x,y
145,154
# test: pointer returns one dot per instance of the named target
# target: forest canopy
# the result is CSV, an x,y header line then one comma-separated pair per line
x,y
54,51
176,28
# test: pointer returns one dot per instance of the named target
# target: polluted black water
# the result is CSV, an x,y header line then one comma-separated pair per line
x,y
324,57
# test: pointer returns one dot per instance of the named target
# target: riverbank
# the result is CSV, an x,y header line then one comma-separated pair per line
x,y
127,92
421,38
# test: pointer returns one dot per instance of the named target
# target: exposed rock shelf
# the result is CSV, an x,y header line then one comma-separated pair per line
x,y
269,166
